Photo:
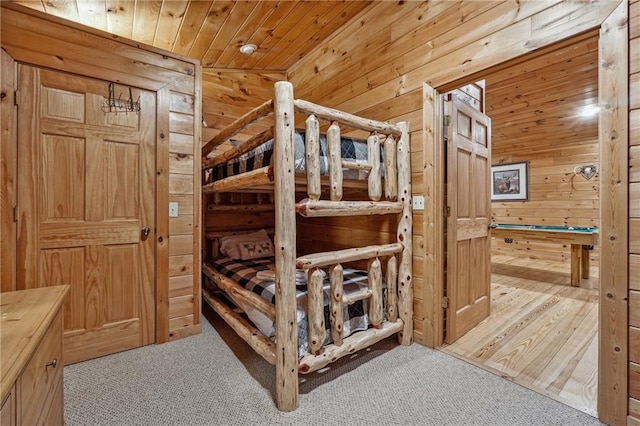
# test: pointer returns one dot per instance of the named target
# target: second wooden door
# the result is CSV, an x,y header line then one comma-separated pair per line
x,y
469,215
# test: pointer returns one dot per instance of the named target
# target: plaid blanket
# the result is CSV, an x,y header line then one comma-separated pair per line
x,y
351,149
244,272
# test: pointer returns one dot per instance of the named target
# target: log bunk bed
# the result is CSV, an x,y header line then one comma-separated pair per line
x,y
389,299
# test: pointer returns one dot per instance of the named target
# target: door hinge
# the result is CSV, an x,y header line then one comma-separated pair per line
x,y
445,302
15,213
16,97
446,120
446,211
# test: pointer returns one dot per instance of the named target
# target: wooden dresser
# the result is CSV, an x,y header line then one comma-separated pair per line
x,y
31,356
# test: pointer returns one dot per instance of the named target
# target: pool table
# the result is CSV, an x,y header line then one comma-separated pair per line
x,y
582,239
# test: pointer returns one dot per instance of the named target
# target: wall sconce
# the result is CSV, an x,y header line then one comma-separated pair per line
x,y
587,171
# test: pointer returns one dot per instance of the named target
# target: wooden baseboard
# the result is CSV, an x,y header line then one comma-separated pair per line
x,y
185,332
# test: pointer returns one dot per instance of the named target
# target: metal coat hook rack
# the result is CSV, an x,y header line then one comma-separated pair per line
x,y
120,105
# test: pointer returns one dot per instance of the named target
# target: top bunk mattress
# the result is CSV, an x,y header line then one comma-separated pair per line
x,y
351,149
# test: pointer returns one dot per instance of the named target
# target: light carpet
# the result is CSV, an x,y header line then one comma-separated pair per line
x,y
215,379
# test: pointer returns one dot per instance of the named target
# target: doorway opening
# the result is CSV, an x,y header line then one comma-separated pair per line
x,y
542,331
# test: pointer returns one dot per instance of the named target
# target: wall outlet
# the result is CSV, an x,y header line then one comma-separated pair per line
x,y
173,209
418,202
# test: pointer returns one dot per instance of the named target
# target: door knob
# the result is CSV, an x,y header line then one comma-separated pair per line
x,y
144,232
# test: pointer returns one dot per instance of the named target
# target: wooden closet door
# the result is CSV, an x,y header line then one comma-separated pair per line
x,y
469,215
86,188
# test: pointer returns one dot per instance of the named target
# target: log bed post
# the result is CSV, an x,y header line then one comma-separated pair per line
x,y
285,242
392,291
391,169
405,288
375,285
375,177
336,304
312,147
315,310
335,161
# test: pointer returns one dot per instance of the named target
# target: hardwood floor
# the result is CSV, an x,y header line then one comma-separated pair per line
x,y
542,333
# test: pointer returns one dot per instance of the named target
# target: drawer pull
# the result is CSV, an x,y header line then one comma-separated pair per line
x,y
52,363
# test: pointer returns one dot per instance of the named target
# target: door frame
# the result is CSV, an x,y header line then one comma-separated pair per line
x,y
613,138
161,245
177,81
8,170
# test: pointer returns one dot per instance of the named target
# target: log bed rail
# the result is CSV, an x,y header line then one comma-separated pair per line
x,y
391,195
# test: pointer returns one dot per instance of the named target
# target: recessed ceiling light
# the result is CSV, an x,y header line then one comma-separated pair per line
x,y
248,49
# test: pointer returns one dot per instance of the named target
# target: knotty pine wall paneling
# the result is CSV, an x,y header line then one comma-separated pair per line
x,y
219,215
434,43
336,233
228,94
184,189
444,45
634,212
535,106
42,40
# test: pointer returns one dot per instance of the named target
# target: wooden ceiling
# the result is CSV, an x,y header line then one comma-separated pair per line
x,y
538,101
212,31
537,106
527,97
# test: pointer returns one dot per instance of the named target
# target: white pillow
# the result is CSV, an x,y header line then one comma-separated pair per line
x,y
254,245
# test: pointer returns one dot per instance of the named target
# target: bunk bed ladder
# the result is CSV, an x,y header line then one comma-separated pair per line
x,y
338,300
397,190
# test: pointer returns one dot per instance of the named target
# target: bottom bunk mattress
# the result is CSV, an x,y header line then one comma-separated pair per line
x,y
257,275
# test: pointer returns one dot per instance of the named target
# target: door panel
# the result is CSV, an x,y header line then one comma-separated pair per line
x,y
122,181
86,183
468,236
66,266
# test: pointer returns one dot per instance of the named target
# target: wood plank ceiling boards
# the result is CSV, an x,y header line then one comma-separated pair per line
x,y
212,31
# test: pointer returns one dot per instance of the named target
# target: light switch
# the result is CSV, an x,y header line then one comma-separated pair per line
x,y
418,202
173,209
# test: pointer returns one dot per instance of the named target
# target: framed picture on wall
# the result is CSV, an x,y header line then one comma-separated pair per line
x,y
510,182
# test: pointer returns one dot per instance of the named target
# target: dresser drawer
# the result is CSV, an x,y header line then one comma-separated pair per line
x,y
41,378
53,414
